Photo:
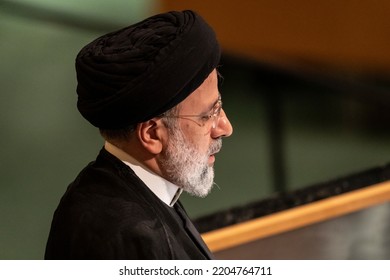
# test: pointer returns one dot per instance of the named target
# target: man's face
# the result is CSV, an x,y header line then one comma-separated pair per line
x,y
189,156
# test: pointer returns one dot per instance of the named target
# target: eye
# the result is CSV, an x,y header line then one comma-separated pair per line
x,y
206,117
217,109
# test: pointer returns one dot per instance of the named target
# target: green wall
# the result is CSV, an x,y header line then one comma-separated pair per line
x,y
45,142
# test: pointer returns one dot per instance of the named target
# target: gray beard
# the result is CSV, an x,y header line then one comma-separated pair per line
x,y
184,166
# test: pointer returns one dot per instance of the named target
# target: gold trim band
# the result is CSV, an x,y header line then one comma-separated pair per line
x,y
297,217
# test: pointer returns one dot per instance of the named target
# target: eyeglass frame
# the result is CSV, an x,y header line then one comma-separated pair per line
x,y
215,113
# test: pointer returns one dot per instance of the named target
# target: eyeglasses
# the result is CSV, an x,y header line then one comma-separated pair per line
x,y
203,120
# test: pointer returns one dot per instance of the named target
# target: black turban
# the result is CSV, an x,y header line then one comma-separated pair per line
x,y
139,72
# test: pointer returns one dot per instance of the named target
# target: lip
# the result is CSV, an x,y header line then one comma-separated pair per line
x,y
211,159
212,156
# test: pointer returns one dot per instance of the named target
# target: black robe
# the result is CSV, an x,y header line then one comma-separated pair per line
x,y
109,213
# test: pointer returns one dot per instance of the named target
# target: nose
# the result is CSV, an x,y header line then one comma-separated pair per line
x,y
223,128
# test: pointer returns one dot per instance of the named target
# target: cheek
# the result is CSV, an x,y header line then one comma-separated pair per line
x,y
197,139
202,145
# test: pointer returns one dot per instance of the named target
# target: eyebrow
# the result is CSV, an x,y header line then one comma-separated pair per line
x,y
215,103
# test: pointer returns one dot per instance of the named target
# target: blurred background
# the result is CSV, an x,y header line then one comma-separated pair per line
x,y
307,89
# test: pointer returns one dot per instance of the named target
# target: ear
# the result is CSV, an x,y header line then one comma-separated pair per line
x,y
150,134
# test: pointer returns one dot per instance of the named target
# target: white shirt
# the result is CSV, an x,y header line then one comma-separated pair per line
x,y
166,191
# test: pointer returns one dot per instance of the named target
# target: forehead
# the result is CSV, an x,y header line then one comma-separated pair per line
x,y
204,96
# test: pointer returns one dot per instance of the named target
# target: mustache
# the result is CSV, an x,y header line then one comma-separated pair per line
x,y
215,146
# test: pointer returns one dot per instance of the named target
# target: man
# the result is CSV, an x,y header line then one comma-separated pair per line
x,y
151,89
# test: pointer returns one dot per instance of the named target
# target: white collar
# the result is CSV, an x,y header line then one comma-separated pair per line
x,y
166,191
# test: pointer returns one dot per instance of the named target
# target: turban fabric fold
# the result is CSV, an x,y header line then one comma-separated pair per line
x,y
139,72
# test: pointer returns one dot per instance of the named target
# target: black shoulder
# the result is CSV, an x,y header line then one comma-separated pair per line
x,y
107,213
